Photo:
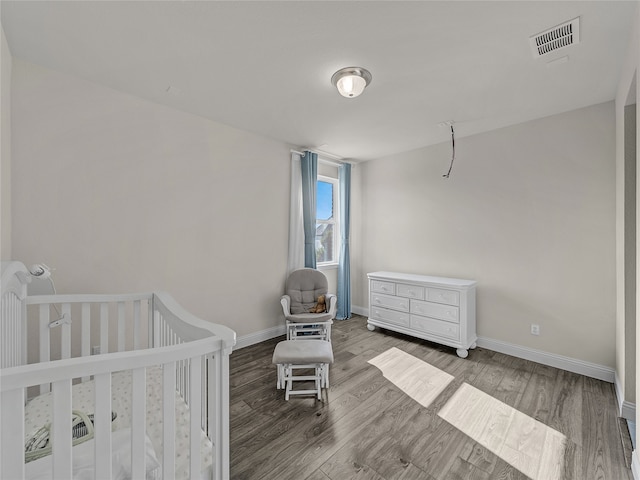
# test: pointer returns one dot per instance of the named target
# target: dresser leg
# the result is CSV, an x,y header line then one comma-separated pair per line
x,y
370,327
462,353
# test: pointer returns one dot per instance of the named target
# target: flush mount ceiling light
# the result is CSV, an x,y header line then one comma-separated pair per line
x,y
351,81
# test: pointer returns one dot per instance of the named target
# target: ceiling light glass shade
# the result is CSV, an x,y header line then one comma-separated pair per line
x,y
351,81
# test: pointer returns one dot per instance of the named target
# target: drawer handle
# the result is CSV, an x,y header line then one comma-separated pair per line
x,y
378,300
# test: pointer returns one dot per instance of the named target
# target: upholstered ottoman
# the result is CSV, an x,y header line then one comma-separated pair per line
x,y
297,354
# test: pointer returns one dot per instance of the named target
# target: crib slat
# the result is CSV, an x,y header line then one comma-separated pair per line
x,y
66,331
22,308
195,368
169,414
4,305
121,331
156,329
85,342
222,448
102,422
104,328
216,417
86,330
211,398
7,312
61,429
136,325
12,434
45,348
138,413
219,424
204,391
151,319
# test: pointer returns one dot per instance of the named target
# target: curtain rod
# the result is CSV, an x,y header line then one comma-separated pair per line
x,y
320,159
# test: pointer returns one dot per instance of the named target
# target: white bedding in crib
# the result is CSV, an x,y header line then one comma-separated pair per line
x,y
83,460
38,414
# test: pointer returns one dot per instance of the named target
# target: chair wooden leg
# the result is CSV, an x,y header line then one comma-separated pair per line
x,y
319,381
286,378
280,381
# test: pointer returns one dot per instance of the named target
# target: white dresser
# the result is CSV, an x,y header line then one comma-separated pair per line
x,y
439,309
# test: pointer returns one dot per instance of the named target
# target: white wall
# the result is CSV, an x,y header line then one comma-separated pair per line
x,y
529,212
123,195
5,148
627,359
626,342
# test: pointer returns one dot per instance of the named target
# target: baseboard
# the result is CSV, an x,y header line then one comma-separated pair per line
x,y
589,369
574,365
261,336
635,465
360,310
593,370
626,409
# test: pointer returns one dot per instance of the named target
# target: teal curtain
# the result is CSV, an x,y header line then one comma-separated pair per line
x,y
344,267
309,167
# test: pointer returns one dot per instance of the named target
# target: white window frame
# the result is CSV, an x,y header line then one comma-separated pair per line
x,y
335,221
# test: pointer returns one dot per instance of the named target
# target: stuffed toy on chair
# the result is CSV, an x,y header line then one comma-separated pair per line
x,y
320,307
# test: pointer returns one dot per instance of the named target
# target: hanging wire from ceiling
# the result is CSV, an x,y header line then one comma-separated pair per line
x,y
453,151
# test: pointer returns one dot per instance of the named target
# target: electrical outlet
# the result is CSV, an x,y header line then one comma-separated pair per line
x,y
535,329
95,350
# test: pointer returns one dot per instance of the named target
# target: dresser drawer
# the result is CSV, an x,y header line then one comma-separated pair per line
x,y
437,310
435,327
383,287
390,316
410,291
439,295
395,303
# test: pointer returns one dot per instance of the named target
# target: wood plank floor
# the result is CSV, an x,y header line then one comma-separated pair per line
x,y
367,427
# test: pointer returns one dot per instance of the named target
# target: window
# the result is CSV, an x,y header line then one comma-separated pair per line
x,y
327,225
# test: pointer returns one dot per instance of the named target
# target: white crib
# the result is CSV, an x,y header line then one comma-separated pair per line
x,y
61,348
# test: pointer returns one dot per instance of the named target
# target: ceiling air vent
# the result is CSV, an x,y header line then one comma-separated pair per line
x,y
555,38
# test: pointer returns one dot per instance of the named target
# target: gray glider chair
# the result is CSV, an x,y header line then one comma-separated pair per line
x,y
302,291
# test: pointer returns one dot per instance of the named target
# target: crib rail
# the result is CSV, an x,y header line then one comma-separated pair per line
x,y
132,332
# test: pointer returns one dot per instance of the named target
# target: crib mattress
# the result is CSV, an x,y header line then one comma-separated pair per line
x,y
38,414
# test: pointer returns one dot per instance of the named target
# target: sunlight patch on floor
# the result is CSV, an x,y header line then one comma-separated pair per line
x,y
525,443
416,378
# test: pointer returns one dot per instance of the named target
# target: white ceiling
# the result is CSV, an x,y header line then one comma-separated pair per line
x,y
265,66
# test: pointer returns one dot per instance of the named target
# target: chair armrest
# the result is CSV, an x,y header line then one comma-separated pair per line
x,y
285,301
332,304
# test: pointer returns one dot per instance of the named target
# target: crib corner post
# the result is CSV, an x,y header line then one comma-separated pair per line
x,y
225,431
218,421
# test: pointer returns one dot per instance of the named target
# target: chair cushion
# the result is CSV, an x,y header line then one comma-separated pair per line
x,y
309,317
304,286
299,352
